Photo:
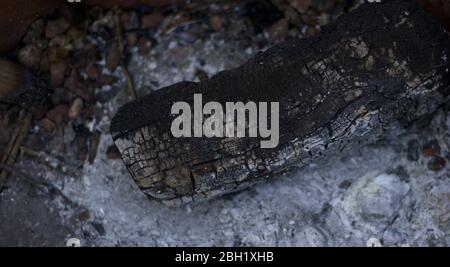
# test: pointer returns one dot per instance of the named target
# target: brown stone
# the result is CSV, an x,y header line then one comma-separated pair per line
x,y
436,163
56,27
48,125
58,114
30,56
431,149
279,30
77,37
35,31
57,71
300,5
75,108
92,71
44,65
151,21
112,152
58,54
39,112
60,40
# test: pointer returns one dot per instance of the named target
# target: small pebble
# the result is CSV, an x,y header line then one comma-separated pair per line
x,y
35,31
56,27
58,114
216,23
48,125
151,21
431,149
30,56
39,111
279,30
57,71
58,54
300,5
92,71
112,152
345,184
60,40
77,37
436,163
75,108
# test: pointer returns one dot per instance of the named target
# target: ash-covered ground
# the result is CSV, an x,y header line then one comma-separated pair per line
x,y
392,193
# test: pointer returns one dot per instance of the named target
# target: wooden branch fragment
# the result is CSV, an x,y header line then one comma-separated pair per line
x,y
36,183
119,39
54,162
15,143
378,65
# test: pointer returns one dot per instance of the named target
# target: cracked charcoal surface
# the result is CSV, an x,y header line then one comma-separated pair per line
x,y
371,67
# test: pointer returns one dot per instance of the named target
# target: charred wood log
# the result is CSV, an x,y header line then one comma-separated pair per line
x,y
380,64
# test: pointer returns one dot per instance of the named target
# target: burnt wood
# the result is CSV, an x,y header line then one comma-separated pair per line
x,y
380,64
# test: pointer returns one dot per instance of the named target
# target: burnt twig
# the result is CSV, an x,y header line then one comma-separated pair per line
x,y
15,143
119,39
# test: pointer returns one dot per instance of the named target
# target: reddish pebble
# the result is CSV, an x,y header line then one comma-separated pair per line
x,y
48,125
431,149
56,27
436,163
57,71
151,21
216,23
112,152
92,71
58,114
279,30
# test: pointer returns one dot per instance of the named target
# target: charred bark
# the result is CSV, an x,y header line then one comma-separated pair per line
x,y
380,64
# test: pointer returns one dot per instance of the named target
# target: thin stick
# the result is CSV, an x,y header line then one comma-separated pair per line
x,y
46,159
15,144
35,182
13,138
119,36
